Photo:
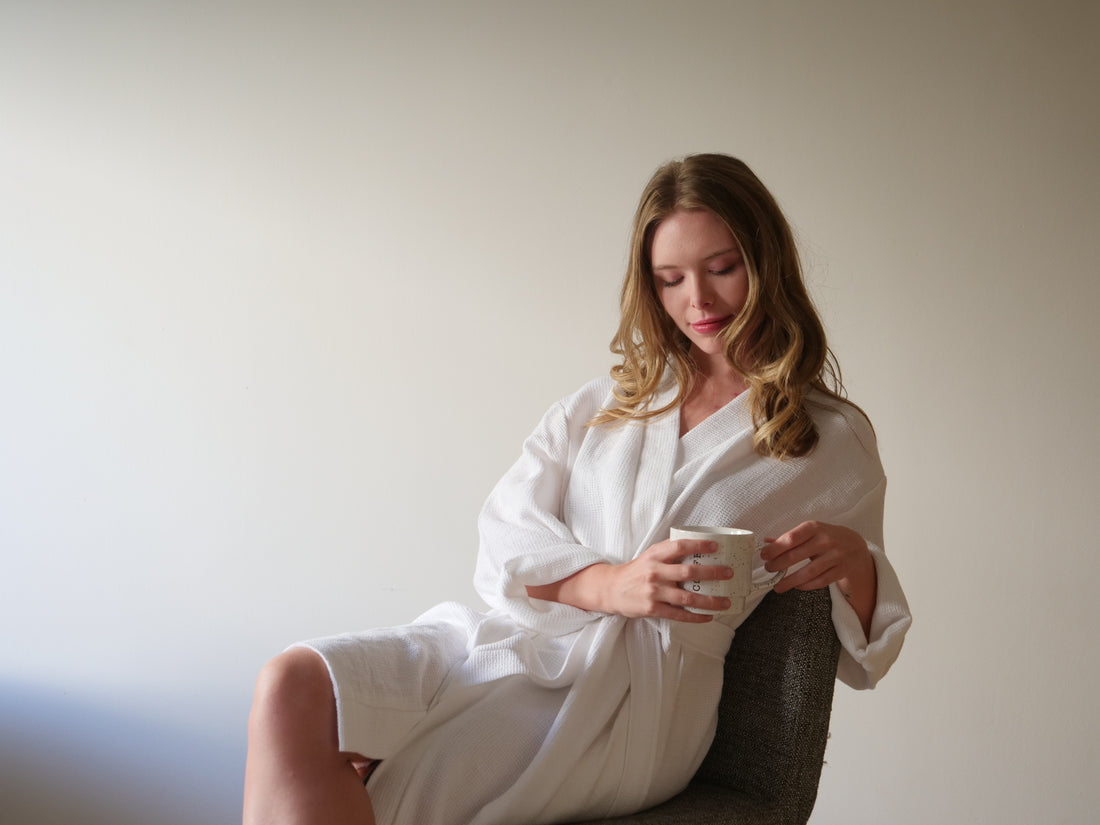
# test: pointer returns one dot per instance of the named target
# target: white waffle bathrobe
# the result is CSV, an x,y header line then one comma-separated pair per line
x,y
538,712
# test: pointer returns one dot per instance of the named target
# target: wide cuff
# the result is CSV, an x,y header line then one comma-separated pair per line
x,y
864,661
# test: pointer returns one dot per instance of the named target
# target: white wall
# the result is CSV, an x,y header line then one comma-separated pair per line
x,y
278,284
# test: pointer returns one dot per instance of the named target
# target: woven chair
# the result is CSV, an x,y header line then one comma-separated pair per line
x,y
773,720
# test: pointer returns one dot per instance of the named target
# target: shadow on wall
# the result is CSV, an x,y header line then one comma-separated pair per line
x,y
64,760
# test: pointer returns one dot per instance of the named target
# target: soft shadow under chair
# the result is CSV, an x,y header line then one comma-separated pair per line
x,y
773,721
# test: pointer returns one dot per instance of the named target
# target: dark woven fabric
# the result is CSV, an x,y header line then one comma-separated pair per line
x,y
765,763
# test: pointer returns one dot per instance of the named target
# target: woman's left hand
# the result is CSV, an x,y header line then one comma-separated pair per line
x,y
834,554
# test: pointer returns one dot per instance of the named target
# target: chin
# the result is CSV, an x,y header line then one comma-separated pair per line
x,y
709,346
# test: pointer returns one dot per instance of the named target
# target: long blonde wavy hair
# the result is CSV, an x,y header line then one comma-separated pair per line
x,y
776,343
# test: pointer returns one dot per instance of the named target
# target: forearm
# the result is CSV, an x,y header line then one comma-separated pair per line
x,y
861,591
866,657
584,589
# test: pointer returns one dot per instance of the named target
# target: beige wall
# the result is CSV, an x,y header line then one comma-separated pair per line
x,y
277,285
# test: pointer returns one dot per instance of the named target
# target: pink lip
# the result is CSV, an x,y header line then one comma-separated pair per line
x,y
710,325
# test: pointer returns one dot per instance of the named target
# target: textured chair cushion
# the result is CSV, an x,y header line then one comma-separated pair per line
x,y
704,804
765,762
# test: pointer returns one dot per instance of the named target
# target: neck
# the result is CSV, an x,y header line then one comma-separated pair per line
x,y
716,384
715,371
712,390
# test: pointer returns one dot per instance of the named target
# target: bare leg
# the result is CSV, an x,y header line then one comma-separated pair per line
x,y
295,774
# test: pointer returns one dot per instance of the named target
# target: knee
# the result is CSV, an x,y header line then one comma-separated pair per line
x,y
294,687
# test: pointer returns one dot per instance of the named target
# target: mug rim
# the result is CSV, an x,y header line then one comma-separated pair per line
x,y
715,531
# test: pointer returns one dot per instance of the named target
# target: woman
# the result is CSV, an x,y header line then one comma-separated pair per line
x,y
590,689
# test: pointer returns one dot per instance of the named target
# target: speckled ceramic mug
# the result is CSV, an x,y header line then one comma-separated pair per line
x,y
736,549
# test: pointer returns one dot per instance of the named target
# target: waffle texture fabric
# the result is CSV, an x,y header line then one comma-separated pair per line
x,y
540,712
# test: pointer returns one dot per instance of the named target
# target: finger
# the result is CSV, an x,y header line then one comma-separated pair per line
x,y
795,579
709,572
792,538
672,550
681,597
815,575
698,572
819,582
804,532
673,605
783,556
691,547
779,559
773,548
682,614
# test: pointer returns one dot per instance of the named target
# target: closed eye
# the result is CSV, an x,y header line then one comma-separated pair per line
x,y
673,282
727,270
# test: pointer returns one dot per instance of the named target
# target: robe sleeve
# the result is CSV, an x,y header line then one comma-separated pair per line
x,y
865,659
523,538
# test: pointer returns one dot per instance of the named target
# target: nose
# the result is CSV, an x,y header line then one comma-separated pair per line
x,y
701,295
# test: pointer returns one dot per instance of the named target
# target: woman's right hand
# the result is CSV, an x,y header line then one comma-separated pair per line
x,y
646,586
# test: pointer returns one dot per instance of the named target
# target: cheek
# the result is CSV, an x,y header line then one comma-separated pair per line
x,y
744,297
665,300
738,293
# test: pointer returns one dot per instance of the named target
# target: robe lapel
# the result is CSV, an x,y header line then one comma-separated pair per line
x,y
708,453
656,465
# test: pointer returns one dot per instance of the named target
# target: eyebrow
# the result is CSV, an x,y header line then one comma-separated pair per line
x,y
663,267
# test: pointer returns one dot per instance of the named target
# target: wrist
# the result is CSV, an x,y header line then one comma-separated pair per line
x,y
587,588
860,590
863,577
584,589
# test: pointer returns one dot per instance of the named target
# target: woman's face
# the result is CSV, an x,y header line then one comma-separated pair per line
x,y
700,276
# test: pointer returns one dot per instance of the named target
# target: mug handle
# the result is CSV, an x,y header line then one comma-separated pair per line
x,y
774,580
